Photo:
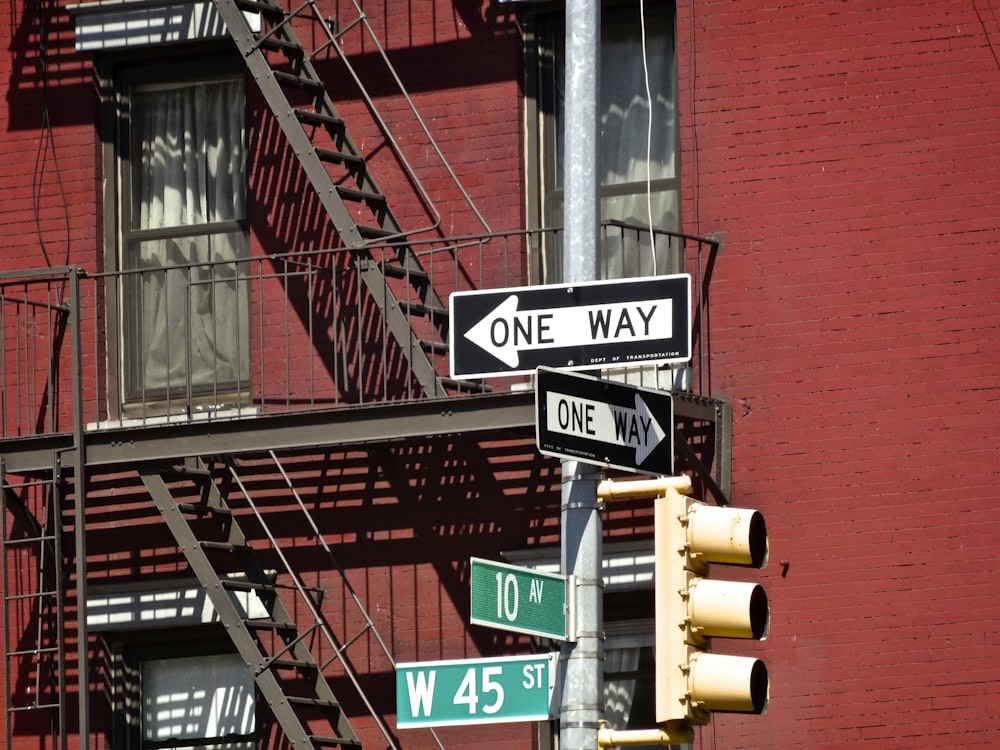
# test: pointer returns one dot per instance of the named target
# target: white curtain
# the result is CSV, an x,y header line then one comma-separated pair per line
x,y
189,310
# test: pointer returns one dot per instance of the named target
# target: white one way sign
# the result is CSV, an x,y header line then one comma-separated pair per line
x,y
604,422
507,331
570,326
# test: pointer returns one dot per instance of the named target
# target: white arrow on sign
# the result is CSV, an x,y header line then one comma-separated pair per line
x,y
506,331
605,423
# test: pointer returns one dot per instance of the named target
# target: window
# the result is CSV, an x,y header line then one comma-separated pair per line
x,y
638,142
629,627
629,675
182,218
189,700
629,682
180,695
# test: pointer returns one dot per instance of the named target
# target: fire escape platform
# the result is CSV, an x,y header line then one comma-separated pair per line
x,y
497,414
345,426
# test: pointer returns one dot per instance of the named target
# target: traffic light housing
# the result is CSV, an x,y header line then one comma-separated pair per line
x,y
691,609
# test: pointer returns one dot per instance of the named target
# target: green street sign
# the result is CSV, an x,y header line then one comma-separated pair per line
x,y
475,691
520,599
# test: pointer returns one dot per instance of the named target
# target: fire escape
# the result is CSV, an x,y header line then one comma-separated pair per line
x,y
201,480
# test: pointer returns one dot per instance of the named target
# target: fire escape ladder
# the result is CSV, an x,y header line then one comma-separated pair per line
x,y
247,600
33,600
339,649
284,71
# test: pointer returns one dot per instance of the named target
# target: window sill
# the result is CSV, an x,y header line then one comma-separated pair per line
x,y
206,415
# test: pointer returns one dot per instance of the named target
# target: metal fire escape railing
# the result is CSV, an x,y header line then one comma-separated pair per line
x,y
56,429
40,313
313,337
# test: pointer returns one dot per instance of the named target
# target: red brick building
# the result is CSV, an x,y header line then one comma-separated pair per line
x,y
232,457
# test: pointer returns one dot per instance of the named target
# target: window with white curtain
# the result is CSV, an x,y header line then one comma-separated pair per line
x,y
638,136
184,232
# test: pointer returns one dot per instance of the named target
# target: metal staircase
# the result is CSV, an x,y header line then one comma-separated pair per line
x,y
284,71
33,604
254,604
287,676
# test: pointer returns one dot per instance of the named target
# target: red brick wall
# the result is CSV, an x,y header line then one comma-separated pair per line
x,y
49,180
848,154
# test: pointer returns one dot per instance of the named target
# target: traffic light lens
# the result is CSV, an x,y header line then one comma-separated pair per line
x,y
757,540
729,609
760,614
760,687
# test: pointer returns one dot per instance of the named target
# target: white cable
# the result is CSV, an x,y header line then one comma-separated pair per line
x,y
649,131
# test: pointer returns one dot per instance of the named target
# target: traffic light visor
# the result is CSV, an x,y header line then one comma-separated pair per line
x,y
729,683
737,536
728,609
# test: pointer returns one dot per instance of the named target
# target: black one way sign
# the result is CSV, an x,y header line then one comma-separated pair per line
x,y
570,326
603,422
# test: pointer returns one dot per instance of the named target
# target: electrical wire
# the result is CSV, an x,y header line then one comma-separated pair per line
x,y
693,106
649,131
46,143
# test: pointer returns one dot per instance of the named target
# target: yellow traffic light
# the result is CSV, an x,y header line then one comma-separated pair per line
x,y
691,608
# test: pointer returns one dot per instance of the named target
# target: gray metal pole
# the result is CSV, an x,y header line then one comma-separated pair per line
x,y
582,705
581,212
